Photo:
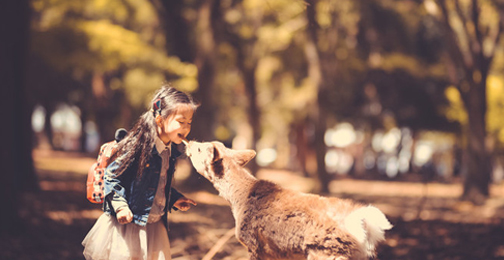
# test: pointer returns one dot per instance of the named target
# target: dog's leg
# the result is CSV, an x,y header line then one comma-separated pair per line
x,y
255,256
253,250
318,255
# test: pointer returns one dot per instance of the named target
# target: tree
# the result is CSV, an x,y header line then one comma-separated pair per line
x,y
192,40
471,44
247,59
17,164
320,81
205,61
111,54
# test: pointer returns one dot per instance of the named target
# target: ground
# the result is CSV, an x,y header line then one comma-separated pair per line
x,y
430,222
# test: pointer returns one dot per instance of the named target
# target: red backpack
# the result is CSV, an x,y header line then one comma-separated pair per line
x,y
96,173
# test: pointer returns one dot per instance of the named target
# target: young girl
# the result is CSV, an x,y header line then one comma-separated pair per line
x,y
138,192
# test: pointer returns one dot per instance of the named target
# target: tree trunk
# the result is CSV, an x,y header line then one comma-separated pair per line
x,y
478,163
320,128
203,127
471,67
17,173
316,75
248,70
247,61
104,107
205,60
83,138
176,28
254,114
47,126
301,146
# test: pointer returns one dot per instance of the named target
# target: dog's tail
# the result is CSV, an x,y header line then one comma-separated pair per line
x,y
367,225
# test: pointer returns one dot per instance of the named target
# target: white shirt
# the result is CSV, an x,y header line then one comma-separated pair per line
x,y
159,203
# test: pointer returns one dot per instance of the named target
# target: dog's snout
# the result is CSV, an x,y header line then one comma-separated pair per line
x,y
188,149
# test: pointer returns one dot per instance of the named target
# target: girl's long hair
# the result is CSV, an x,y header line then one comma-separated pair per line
x,y
136,147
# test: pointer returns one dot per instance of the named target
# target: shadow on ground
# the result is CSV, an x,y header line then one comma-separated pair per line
x,y
427,225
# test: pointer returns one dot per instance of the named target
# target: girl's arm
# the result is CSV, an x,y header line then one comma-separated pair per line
x,y
118,203
174,196
115,193
179,201
122,210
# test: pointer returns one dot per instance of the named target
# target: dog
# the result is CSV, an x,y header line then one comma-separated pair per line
x,y
276,223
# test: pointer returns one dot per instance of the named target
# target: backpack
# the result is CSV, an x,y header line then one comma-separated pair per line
x,y
96,173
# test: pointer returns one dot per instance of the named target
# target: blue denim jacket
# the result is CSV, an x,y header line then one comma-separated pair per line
x,y
140,192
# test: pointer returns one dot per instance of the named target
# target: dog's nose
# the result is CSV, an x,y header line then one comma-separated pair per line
x,y
188,150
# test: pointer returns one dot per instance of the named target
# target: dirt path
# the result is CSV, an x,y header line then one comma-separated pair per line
x,y
429,220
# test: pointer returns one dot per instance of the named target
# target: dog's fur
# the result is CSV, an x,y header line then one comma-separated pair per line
x,y
275,223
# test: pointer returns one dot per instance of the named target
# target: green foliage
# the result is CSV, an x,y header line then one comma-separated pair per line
x,y
455,111
396,46
495,97
117,37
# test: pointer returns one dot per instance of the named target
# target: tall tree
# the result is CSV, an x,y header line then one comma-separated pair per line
x,y
247,59
206,62
112,55
176,28
320,81
471,42
17,164
192,40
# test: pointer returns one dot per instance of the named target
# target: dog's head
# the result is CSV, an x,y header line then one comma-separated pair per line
x,y
210,159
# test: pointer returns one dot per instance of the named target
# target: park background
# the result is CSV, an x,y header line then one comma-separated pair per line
x,y
398,103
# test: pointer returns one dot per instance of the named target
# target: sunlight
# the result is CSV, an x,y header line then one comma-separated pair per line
x,y
340,136
68,217
423,153
66,119
188,217
38,118
49,161
391,140
266,156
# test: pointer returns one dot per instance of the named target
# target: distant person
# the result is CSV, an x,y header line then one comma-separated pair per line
x,y
137,189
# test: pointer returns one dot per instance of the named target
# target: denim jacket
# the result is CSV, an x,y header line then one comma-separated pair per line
x,y
140,192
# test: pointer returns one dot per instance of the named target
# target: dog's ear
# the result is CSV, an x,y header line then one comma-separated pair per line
x,y
216,154
242,157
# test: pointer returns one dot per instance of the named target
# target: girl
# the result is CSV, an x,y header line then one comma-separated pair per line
x,y
138,192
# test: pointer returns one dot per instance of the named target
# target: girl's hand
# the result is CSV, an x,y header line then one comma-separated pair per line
x,y
124,216
184,204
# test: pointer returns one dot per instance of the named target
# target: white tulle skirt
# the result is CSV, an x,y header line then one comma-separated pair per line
x,y
109,240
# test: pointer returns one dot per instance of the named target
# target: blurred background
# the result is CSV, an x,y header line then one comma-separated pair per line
x,y
399,103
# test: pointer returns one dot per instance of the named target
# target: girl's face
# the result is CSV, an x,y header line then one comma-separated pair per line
x,y
176,127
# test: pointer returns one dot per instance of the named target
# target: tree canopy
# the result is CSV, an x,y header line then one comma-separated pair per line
x,y
263,69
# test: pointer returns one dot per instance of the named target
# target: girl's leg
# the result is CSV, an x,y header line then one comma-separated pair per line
x,y
158,243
